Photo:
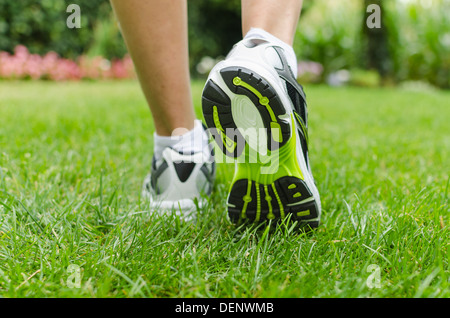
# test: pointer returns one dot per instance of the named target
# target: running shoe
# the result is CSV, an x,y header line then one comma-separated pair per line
x,y
180,182
257,114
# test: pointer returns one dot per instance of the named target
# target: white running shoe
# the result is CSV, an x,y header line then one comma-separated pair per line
x,y
257,114
179,182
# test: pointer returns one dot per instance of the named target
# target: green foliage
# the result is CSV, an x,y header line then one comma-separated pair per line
x,y
107,39
418,34
420,41
41,26
329,33
214,27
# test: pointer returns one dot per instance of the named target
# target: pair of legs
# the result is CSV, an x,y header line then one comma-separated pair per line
x,y
155,32
255,87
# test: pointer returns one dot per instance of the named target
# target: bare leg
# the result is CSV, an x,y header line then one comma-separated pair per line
x,y
280,18
155,32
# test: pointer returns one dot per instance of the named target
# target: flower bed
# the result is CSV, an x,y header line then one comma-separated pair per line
x,y
24,65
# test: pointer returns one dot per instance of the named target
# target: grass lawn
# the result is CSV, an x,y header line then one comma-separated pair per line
x,y
73,157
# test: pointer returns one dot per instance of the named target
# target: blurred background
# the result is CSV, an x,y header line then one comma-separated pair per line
x,y
332,42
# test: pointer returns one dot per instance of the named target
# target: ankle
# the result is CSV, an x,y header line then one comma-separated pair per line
x,y
182,140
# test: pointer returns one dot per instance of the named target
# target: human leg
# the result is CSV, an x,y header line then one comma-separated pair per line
x,y
279,18
155,32
156,36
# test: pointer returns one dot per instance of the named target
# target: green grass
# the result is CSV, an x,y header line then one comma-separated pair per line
x,y
73,157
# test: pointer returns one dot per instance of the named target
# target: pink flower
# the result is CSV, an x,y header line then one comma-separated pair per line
x,y
51,66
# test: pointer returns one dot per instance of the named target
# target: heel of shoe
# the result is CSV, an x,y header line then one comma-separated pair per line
x,y
255,202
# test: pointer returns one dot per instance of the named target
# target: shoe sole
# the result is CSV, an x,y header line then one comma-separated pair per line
x,y
268,182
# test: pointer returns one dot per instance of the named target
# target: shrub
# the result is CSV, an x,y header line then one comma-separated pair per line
x,y
418,36
420,41
214,27
329,33
41,26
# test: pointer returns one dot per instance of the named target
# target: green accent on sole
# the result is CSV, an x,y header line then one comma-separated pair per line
x,y
258,203
247,198
303,213
302,125
229,144
278,200
268,198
